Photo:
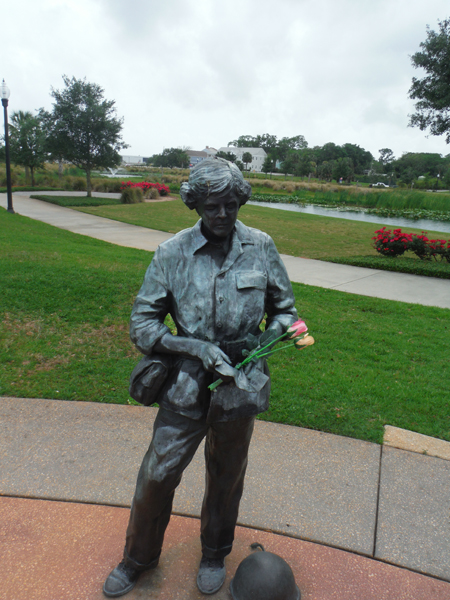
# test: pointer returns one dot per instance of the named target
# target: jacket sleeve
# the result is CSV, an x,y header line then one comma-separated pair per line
x,y
280,303
150,308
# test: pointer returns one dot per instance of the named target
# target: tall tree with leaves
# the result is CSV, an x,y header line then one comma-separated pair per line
x,y
268,166
247,159
433,90
227,156
85,130
171,157
386,158
27,141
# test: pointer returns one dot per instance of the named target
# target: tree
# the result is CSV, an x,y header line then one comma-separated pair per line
x,y
325,170
244,141
361,159
433,90
421,163
266,141
246,159
331,151
85,129
27,141
226,155
386,156
343,167
297,142
290,163
170,158
267,166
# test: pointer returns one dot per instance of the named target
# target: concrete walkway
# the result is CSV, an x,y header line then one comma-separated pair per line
x,y
429,291
354,520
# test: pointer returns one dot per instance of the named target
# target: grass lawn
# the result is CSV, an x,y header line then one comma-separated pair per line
x,y
73,201
66,301
297,234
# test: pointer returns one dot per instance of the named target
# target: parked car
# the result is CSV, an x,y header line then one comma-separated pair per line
x,y
379,184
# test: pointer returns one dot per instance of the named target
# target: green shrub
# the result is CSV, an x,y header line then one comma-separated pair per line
x,y
152,193
114,186
99,186
401,264
106,185
79,184
132,195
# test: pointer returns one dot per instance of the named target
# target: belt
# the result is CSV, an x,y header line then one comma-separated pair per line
x,y
233,350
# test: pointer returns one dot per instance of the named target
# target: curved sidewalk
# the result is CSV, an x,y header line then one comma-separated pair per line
x,y
354,519
429,291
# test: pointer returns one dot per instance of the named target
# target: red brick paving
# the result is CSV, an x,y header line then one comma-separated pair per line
x,y
64,551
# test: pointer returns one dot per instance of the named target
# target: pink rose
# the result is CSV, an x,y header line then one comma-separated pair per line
x,y
297,329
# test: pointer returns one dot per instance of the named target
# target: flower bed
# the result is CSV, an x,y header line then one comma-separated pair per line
x,y
395,243
145,186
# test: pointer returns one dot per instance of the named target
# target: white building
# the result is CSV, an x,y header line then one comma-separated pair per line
x,y
132,160
258,156
211,152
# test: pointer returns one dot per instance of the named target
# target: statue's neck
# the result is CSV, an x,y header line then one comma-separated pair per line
x,y
214,239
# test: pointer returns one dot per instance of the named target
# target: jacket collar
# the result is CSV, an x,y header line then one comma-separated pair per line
x,y
241,235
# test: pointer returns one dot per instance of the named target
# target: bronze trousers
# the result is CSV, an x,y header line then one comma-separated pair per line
x,y
175,441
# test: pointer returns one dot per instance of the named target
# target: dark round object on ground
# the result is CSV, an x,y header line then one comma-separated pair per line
x,y
264,576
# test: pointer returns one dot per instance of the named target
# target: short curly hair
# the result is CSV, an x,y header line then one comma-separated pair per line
x,y
212,176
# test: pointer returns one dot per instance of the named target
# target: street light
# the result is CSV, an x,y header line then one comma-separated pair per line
x,y
5,97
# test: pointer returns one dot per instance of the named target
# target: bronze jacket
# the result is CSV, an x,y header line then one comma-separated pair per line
x,y
215,304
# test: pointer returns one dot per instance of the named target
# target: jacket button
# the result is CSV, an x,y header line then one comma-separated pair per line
x,y
219,325
220,298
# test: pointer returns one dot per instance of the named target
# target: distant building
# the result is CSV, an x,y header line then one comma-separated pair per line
x,y
210,151
132,160
258,156
197,156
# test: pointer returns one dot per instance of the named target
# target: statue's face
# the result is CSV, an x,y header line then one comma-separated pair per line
x,y
219,213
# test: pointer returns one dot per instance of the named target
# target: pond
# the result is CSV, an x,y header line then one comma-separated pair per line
x,y
360,215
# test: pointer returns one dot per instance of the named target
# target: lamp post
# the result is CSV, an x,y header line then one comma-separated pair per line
x,y
5,97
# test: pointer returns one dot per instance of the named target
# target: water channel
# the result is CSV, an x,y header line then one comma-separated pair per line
x,y
360,215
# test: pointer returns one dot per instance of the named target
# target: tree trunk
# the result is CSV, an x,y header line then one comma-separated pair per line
x,y
60,170
32,176
27,175
88,183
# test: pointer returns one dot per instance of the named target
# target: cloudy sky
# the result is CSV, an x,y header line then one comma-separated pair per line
x,y
203,72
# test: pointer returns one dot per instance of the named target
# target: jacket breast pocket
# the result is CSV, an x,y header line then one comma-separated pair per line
x,y
251,279
251,292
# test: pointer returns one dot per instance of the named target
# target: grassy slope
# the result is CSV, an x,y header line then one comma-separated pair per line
x,y
297,234
65,306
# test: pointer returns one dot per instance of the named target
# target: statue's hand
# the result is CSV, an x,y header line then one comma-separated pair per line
x,y
267,337
253,342
211,356
227,372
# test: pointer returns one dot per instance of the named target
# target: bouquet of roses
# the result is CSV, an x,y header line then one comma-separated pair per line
x,y
297,336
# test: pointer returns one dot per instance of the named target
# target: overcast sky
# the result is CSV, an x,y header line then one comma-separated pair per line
x,y
203,72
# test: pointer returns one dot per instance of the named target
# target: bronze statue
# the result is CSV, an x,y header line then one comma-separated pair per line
x,y
217,280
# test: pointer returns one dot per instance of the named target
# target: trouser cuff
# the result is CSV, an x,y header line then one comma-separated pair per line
x,y
140,566
215,552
